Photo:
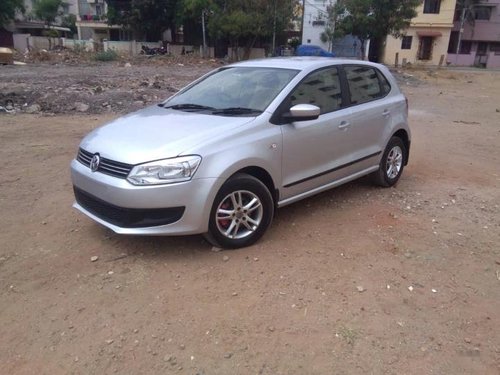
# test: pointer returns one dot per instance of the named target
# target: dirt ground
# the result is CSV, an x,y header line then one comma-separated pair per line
x,y
357,280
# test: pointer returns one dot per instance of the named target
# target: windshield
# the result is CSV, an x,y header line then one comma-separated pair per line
x,y
234,91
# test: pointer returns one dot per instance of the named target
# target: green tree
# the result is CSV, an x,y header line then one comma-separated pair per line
x,y
69,21
373,19
47,10
242,22
8,10
147,19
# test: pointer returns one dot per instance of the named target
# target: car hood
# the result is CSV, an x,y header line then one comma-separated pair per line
x,y
156,133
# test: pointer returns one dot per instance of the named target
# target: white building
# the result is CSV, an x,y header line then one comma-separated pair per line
x,y
315,21
314,24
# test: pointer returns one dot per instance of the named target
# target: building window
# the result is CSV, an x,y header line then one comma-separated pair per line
x,y
98,9
432,6
406,42
495,47
318,23
425,48
482,13
465,47
452,45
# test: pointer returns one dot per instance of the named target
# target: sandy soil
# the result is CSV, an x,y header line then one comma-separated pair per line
x,y
357,280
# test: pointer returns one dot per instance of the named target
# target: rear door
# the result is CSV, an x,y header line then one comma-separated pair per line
x,y
371,112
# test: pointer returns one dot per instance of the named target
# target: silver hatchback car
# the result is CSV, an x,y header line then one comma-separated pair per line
x,y
223,153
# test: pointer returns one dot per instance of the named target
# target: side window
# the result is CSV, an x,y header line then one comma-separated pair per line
x,y
321,88
384,84
365,84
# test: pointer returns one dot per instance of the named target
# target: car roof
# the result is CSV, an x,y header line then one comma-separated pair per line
x,y
300,63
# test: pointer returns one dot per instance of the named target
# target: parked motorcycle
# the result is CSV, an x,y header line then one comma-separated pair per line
x,y
145,50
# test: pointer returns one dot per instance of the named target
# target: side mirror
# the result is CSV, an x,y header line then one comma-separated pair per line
x,y
302,112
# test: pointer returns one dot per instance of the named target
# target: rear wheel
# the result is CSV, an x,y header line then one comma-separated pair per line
x,y
392,163
241,213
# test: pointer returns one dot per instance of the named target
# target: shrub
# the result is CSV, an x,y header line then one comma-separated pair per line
x,y
109,55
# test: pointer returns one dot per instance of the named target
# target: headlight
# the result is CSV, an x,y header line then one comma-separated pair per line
x,y
165,171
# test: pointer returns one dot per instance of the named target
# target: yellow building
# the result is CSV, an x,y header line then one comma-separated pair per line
x,y
426,40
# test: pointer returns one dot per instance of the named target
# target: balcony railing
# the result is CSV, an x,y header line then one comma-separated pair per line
x,y
93,18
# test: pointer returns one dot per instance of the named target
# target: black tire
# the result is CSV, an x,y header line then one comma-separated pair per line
x,y
248,221
394,156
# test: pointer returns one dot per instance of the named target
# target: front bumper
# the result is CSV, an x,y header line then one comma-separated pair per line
x,y
173,209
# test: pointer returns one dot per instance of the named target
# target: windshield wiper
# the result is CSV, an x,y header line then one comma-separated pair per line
x,y
236,111
189,106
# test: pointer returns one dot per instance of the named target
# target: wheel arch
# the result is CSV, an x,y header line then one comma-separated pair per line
x,y
262,175
403,135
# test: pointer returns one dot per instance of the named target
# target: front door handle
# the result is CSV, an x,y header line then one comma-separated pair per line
x,y
386,113
344,125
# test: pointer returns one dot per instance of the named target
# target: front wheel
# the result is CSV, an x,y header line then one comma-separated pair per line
x,y
392,163
241,213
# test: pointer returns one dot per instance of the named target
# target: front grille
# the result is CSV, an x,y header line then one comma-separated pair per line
x,y
127,217
106,166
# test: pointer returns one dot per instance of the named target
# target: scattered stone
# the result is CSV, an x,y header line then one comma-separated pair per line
x,y
216,249
81,107
110,341
256,259
225,258
234,294
182,346
34,108
128,65
94,258
360,289
228,355
270,329
434,291
467,340
410,288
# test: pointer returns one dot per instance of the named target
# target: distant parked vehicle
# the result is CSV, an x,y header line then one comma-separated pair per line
x,y
145,50
312,50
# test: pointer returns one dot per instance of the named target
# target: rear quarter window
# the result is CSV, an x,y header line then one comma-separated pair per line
x,y
365,84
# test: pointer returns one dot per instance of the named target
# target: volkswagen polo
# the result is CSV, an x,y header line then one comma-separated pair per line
x,y
223,153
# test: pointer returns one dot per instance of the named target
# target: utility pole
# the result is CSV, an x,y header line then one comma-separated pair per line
x,y
460,32
204,52
274,29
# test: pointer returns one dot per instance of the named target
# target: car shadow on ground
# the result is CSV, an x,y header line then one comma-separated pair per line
x,y
170,247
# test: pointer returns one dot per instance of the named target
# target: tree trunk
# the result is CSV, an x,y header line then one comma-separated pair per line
x,y
248,48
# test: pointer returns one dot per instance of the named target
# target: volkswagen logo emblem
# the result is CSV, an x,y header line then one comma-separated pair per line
x,y
94,163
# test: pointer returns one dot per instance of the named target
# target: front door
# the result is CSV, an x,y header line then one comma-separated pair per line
x,y
425,48
313,149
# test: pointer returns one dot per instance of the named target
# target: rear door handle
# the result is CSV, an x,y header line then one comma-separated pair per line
x,y
344,125
386,113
